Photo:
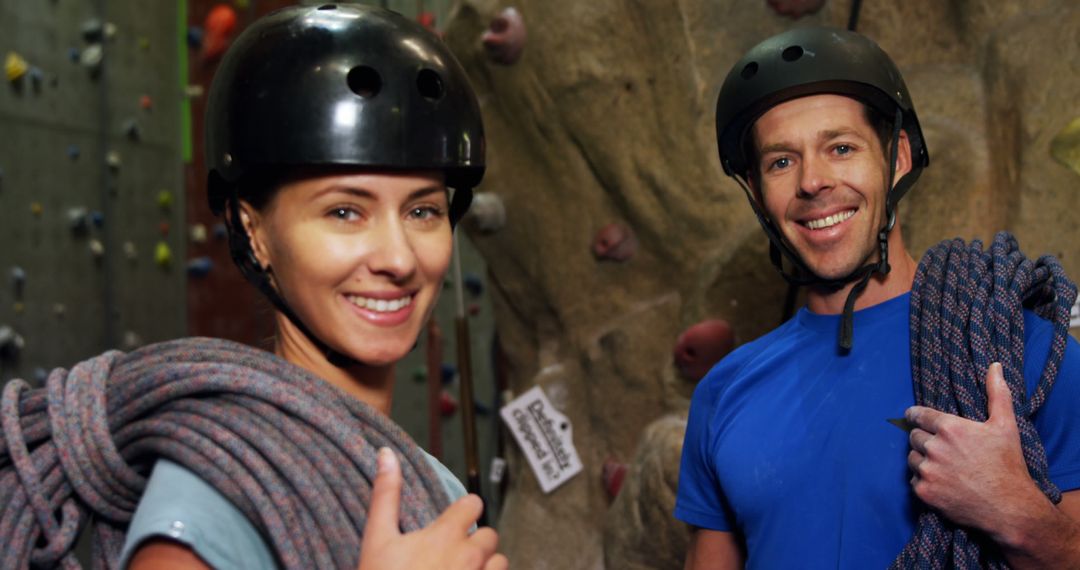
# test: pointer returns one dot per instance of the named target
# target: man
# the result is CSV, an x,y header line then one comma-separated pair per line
x,y
788,460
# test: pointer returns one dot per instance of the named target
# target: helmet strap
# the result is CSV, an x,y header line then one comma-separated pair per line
x,y
244,257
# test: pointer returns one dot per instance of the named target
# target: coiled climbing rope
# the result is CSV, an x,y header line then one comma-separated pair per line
x,y
293,453
967,311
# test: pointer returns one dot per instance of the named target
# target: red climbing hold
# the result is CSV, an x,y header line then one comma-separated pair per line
x,y
615,242
447,404
218,26
613,473
505,38
701,346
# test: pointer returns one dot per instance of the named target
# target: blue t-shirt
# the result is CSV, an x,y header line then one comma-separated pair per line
x,y
179,505
787,444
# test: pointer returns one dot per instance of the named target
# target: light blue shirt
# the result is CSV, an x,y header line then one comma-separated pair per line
x,y
180,506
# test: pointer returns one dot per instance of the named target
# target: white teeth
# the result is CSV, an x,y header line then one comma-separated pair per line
x,y
830,220
380,305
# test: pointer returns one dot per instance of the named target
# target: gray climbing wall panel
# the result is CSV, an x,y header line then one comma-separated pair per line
x,y
59,124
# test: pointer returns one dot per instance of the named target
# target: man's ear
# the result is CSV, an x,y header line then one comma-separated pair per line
x,y
903,156
255,228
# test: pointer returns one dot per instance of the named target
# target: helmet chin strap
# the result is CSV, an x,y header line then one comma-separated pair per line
x,y
803,275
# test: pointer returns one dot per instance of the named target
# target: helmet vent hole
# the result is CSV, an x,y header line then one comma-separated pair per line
x,y
792,53
364,81
749,70
328,7
429,84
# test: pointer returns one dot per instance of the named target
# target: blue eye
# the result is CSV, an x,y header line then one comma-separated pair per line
x,y
344,214
425,212
780,163
843,149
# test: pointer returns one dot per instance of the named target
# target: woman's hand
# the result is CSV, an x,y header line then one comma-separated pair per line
x,y
445,544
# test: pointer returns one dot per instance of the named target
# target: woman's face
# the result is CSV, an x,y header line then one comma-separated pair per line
x,y
360,258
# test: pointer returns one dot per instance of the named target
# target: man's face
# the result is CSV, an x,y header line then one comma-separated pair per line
x,y
822,180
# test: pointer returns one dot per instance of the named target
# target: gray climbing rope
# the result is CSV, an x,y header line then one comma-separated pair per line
x,y
293,453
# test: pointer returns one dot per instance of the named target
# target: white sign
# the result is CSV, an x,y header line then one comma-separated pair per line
x,y
1074,315
545,437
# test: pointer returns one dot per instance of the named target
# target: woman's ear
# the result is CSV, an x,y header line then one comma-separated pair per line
x,y
255,228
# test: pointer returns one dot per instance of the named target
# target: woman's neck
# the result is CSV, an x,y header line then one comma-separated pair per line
x,y
373,385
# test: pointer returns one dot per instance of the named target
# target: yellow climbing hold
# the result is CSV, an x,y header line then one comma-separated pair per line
x,y
15,66
163,255
1065,148
36,209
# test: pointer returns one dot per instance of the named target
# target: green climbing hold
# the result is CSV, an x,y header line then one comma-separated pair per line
x,y
1065,148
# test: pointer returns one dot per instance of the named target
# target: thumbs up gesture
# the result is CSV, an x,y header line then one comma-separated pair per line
x,y
445,544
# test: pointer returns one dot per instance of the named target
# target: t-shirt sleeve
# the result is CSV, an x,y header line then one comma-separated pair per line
x,y
699,500
180,506
1057,422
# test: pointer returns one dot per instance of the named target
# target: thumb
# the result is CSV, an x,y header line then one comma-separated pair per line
x,y
382,520
999,402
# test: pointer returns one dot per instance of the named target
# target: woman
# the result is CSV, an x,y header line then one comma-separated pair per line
x,y
333,134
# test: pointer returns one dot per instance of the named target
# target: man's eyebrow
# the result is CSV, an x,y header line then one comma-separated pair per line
x,y
776,147
829,134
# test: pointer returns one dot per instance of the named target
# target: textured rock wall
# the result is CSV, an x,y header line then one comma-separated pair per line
x,y
607,118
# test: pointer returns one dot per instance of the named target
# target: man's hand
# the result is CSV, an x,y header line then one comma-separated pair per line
x,y
973,473
446,543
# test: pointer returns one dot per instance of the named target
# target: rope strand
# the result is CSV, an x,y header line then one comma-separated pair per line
x,y
967,311
295,455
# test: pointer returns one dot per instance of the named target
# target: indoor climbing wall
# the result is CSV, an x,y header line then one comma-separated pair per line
x,y
628,263
91,202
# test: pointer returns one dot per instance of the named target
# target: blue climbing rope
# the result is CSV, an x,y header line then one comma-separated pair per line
x,y
967,311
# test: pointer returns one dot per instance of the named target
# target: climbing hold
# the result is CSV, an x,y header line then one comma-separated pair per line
x,y
91,58
131,129
474,284
448,373
419,374
241,4
474,309
113,160
73,54
219,25
59,309
795,9
98,219
162,255
1065,148
74,152
426,19
615,242
15,67
613,473
505,38
193,91
195,37
36,209
487,213
146,103
93,30
11,343
165,200
221,231
197,233
37,77
199,266
701,346
18,307
78,220
447,404
144,43
97,249
130,252
131,340
163,229
18,281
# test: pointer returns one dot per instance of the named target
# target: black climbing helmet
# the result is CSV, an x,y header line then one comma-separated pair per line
x,y
811,61
341,84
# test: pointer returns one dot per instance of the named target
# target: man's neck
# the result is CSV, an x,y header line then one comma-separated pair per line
x,y
879,289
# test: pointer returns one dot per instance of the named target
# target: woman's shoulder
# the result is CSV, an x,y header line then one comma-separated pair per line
x,y
180,506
